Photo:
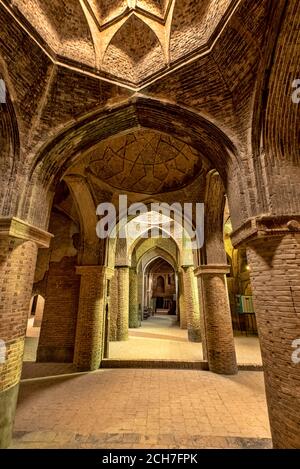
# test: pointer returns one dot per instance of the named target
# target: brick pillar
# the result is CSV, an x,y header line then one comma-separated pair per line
x,y
275,278
217,317
182,311
202,318
18,253
192,313
89,341
123,303
113,307
133,299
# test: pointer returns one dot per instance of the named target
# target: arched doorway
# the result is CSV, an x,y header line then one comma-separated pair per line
x,y
160,286
35,318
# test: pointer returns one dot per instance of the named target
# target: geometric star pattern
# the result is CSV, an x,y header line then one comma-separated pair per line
x,y
144,161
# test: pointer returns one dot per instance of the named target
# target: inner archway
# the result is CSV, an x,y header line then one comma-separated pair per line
x,y
158,282
160,288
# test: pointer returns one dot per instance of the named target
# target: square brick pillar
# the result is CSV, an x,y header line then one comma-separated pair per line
x,y
275,277
192,312
134,320
19,243
220,347
90,329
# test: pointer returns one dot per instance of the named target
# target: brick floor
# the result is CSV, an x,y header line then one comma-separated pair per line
x,y
161,338
143,408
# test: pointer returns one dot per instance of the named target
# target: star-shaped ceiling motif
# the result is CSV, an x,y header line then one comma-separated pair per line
x,y
106,12
148,22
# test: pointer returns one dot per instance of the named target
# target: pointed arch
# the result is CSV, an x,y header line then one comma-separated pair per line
x,y
9,145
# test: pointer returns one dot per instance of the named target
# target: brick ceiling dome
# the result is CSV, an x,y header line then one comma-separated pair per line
x,y
144,161
130,41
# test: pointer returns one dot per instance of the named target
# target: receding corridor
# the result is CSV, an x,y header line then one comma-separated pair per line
x,y
159,338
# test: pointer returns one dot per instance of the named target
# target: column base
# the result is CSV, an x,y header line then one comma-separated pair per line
x,y
122,338
219,363
134,325
55,354
8,404
194,335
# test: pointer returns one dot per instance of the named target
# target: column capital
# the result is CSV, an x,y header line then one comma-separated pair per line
x,y
16,228
265,226
212,269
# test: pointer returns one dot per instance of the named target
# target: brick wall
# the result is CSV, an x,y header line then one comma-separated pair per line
x,y
57,336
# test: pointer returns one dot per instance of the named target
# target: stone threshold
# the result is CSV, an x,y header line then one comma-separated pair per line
x,y
155,364
169,364
69,440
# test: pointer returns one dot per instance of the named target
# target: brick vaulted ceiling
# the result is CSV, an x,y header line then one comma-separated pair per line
x,y
144,161
130,41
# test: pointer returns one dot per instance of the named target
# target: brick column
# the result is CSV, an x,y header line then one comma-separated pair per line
x,y
275,278
89,340
217,317
133,299
202,317
182,311
273,252
113,307
123,303
192,313
18,252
